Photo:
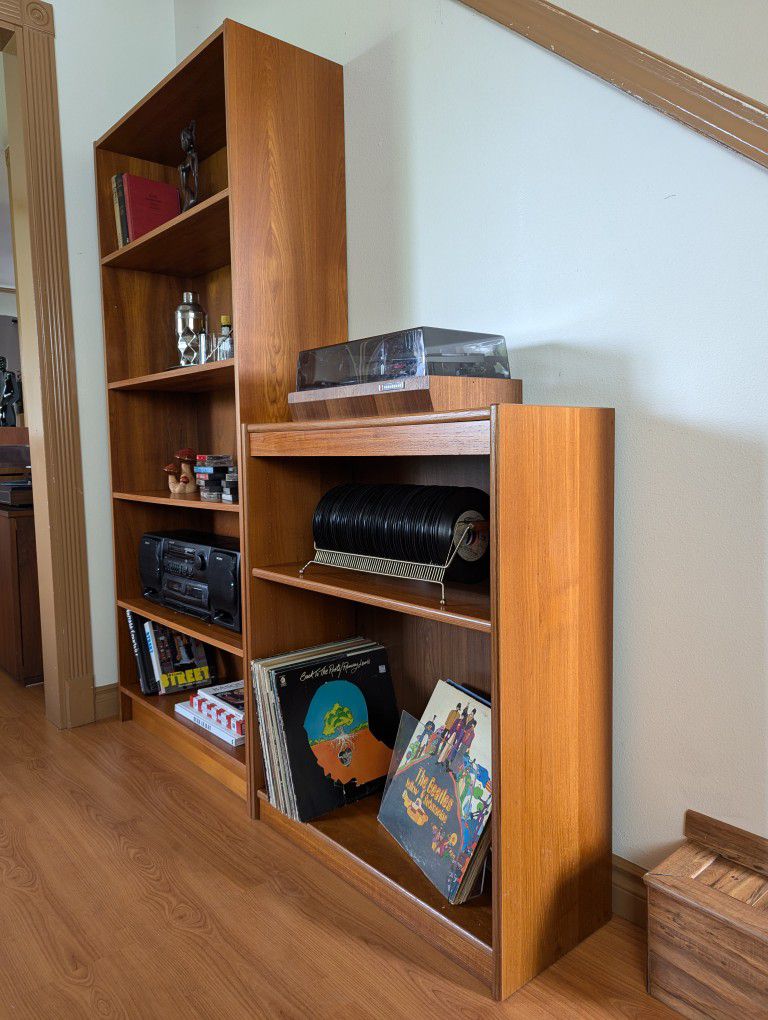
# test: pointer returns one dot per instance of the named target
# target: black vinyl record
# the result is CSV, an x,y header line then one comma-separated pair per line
x,y
417,523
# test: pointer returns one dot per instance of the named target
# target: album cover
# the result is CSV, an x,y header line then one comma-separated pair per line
x,y
180,661
438,802
331,720
340,720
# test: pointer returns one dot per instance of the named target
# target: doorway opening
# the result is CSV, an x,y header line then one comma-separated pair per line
x,y
46,564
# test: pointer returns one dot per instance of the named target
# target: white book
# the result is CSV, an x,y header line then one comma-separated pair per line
x,y
149,631
214,694
183,709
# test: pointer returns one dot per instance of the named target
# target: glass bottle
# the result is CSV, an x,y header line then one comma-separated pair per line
x,y
226,346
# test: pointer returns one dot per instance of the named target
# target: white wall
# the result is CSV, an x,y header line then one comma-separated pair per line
x,y
492,185
721,39
108,56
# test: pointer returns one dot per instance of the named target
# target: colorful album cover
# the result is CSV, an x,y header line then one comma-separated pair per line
x,y
340,721
438,801
183,661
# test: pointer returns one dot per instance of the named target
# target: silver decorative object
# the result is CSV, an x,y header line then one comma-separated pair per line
x,y
190,327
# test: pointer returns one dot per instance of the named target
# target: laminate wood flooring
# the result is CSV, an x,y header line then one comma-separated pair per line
x,y
134,886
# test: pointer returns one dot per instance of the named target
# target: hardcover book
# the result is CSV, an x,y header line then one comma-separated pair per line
x,y
224,704
184,710
121,221
148,204
179,662
144,666
330,719
438,802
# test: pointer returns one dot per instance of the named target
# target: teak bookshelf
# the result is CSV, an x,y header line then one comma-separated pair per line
x,y
537,640
266,245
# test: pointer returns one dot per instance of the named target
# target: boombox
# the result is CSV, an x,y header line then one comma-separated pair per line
x,y
194,573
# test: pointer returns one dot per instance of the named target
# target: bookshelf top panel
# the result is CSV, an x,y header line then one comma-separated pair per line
x,y
460,433
192,91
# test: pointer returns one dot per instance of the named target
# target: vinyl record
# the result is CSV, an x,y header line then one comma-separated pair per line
x,y
417,523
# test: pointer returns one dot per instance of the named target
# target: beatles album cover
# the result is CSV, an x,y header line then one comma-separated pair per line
x,y
438,801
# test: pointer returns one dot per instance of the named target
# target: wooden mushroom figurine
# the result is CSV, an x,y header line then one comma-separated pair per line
x,y
187,485
181,480
173,477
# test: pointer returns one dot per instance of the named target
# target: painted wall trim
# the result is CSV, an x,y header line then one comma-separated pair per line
x,y
629,896
711,109
55,433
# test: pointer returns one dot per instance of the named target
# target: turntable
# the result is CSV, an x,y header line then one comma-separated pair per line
x,y
409,371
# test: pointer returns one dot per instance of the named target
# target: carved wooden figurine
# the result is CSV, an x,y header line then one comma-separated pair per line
x,y
181,479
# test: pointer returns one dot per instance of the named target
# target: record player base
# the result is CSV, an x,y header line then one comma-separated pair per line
x,y
416,395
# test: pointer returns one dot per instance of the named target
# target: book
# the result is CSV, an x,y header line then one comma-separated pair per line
x,y
121,220
144,668
211,472
328,720
183,709
148,204
179,662
215,460
223,704
438,803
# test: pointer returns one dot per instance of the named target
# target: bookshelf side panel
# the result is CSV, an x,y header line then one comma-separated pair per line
x,y
285,129
552,595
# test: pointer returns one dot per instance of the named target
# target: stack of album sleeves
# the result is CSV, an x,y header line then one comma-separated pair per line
x,y
216,477
328,721
218,710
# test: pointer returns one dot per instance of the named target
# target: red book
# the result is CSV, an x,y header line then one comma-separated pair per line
x,y
148,204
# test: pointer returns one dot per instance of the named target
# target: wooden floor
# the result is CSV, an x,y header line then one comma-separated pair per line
x,y
130,888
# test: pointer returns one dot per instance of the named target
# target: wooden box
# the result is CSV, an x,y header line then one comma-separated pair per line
x,y
708,923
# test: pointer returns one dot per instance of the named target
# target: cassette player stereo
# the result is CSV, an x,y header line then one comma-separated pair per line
x,y
193,573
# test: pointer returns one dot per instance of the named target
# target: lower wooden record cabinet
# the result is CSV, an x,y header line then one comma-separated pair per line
x,y
536,640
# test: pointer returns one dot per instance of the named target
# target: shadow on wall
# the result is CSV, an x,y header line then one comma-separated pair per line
x,y
690,627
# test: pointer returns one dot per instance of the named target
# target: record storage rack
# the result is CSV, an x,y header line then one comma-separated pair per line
x,y
537,640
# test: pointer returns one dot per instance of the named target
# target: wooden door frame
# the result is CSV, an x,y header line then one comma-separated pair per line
x,y
54,429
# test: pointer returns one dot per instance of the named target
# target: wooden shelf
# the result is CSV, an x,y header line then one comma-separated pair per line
x,y
218,375
193,243
465,606
165,499
193,89
156,712
219,637
351,842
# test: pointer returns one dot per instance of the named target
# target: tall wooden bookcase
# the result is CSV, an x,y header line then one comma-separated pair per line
x,y
537,640
266,245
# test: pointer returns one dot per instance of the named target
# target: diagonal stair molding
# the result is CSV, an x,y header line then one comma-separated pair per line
x,y
711,109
